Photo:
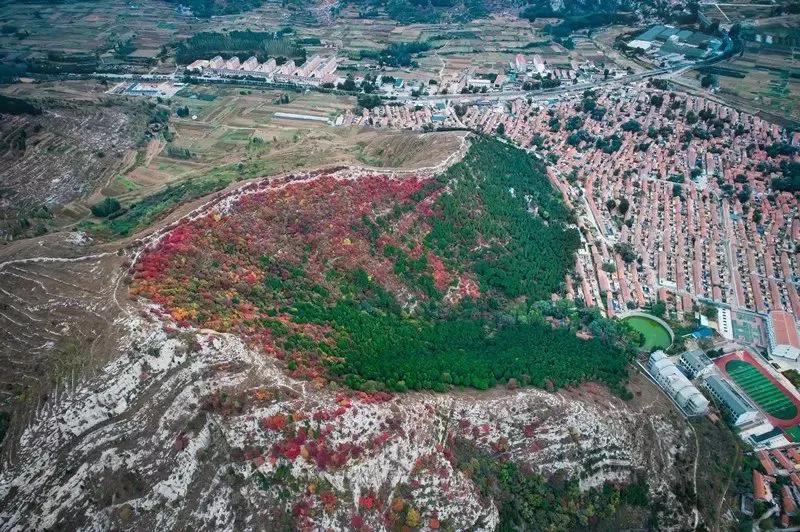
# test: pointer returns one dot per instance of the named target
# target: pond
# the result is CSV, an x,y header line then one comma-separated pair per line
x,y
656,336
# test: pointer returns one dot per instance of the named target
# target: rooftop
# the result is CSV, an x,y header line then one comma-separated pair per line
x,y
785,329
733,401
696,360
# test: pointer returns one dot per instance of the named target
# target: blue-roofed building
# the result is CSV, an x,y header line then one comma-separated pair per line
x,y
703,332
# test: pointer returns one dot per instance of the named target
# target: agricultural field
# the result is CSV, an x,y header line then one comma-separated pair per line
x,y
62,155
89,27
232,135
65,160
766,77
137,33
763,80
732,12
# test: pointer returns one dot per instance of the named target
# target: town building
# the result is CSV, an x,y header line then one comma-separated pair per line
x,y
725,323
782,333
783,460
737,408
679,240
764,436
676,385
696,363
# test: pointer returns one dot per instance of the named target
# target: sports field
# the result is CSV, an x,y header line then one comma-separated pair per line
x,y
772,400
793,433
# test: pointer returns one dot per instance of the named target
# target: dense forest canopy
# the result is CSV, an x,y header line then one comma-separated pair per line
x,y
395,284
397,54
504,218
243,44
210,8
426,11
17,106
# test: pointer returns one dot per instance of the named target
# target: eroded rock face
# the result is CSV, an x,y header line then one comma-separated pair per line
x,y
197,430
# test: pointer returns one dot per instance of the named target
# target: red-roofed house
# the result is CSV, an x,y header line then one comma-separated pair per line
x,y
787,500
785,463
794,454
766,463
761,488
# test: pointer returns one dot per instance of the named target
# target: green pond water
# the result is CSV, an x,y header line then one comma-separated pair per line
x,y
655,335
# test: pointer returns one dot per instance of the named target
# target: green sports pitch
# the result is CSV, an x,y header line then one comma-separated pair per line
x,y
773,401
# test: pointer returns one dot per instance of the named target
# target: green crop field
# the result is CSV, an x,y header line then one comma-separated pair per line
x,y
761,390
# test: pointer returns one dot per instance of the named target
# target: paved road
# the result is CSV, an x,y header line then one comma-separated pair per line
x,y
457,98
547,93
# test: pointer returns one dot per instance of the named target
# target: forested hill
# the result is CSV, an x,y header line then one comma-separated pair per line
x,y
396,284
432,11
243,44
210,8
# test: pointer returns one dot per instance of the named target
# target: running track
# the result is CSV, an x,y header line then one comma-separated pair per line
x,y
747,357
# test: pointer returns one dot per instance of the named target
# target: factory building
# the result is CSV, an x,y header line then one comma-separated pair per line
x,y
315,71
676,385
538,64
232,64
198,66
737,408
